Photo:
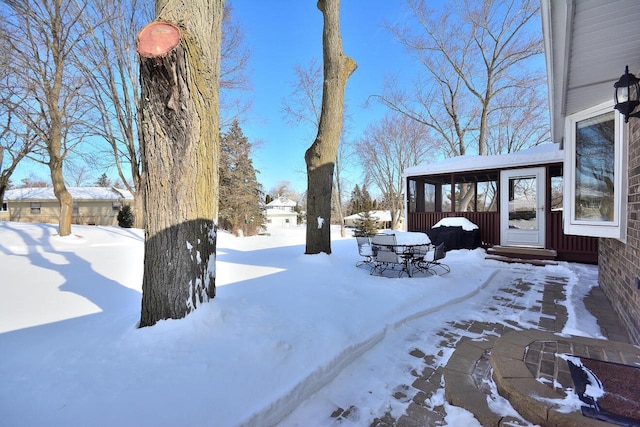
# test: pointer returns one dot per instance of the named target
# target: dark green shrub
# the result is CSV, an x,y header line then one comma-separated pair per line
x,y
126,217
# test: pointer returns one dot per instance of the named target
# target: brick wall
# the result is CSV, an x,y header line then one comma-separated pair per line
x,y
619,263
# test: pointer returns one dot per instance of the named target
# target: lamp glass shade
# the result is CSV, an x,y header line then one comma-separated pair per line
x,y
627,93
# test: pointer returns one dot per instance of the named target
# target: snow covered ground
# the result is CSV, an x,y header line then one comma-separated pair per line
x,y
288,337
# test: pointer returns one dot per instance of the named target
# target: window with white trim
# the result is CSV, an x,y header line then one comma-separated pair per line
x,y
35,207
595,177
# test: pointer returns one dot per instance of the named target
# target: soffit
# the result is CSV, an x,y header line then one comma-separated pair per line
x,y
588,43
604,39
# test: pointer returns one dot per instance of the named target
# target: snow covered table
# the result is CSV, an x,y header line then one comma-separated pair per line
x,y
409,237
398,249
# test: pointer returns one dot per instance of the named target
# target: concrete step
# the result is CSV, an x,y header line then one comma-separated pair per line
x,y
536,262
523,253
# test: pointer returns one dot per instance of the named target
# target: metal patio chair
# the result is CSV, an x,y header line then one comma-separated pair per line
x,y
431,265
365,250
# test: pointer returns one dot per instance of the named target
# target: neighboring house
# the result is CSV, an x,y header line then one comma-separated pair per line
x,y
281,213
383,219
588,44
91,205
515,199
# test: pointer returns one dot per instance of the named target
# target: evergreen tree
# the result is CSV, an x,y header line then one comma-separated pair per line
x,y
103,181
126,217
241,197
366,225
356,196
361,201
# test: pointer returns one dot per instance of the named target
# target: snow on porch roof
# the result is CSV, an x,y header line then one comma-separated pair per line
x,y
541,154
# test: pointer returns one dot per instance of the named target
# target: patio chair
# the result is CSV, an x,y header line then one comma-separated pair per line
x,y
432,264
365,250
386,256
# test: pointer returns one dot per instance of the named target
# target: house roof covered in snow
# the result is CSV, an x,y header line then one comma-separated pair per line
x,y
78,193
378,215
281,201
541,154
279,212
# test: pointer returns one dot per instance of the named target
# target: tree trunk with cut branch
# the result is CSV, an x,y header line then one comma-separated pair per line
x,y
321,156
179,74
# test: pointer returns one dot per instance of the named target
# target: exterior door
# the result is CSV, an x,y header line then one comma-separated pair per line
x,y
522,215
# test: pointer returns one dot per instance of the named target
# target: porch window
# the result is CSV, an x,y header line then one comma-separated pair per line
x,y
447,197
412,196
35,207
465,197
487,197
595,167
476,197
429,197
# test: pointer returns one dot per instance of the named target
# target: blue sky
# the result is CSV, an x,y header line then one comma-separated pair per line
x,y
280,35
283,33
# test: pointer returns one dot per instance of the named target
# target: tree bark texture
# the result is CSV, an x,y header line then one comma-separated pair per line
x,y
321,156
179,123
54,148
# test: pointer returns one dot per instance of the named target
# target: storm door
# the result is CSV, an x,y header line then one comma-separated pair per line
x,y
522,216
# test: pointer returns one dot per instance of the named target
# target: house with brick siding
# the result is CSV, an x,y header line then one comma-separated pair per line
x,y
588,44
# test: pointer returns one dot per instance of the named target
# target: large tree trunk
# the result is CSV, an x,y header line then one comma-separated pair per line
x,y
321,156
179,121
138,208
62,194
54,147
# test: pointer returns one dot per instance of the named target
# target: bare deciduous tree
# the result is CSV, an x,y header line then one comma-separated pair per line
x,y
386,150
477,56
113,66
180,77
115,71
44,39
234,63
12,148
321,156
304,105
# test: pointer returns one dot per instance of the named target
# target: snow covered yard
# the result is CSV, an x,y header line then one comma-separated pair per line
x,y
283,326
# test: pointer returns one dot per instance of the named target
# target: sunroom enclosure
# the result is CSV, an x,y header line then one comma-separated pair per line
x,y
476,195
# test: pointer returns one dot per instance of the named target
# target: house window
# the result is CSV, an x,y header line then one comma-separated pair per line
x,y
4,207
595,174
35,207
115,206
556,193
76,208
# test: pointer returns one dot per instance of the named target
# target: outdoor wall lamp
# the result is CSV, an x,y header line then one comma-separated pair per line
x,y
627,95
